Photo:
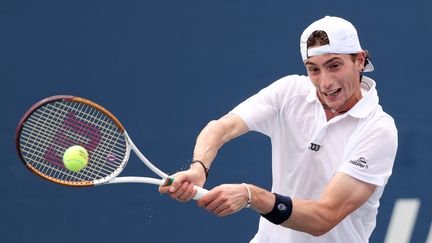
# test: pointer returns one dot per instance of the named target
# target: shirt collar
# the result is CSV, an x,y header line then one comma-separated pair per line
x,y
364,106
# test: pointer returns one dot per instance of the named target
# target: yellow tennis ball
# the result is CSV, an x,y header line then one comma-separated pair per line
x,y
75,158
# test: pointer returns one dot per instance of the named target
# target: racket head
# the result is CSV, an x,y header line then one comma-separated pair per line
x,y
54,124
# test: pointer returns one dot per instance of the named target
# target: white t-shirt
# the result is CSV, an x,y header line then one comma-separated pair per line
x,y
307,151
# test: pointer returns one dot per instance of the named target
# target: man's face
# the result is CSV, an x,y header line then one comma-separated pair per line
x,y
336,77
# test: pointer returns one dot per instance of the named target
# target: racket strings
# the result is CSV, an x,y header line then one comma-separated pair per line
x,y
48,129
55,169
54,161
54,127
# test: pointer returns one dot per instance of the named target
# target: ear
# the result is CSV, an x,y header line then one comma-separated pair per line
x,y
361,60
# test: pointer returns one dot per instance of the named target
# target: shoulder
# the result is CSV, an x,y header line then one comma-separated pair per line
x,y
377,135
380,122
372,148
289,86
293,81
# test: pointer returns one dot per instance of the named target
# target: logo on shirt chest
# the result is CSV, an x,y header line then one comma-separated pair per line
x,y
361,162
314,147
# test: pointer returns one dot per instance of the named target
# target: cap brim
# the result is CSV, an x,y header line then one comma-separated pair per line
x,y
369,67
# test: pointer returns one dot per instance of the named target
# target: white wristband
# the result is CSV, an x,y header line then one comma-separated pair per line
x,y
249,201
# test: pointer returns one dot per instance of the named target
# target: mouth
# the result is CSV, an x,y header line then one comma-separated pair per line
x,y
332,93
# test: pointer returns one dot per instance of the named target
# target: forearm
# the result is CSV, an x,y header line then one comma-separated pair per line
x,y
307,216
343,195
313,217
208,142
215,135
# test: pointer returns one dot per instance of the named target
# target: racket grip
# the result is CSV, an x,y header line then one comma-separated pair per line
x,y
200,192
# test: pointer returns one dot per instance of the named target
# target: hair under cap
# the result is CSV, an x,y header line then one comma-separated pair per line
x,y
342,35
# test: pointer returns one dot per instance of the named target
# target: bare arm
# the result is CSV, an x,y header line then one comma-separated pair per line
x,y
215,135
209,141
342,196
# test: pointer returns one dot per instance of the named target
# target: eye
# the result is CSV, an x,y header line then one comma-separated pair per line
x,y
313,70
334,66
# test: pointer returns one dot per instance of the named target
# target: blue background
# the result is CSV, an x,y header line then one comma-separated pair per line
x,y
166,68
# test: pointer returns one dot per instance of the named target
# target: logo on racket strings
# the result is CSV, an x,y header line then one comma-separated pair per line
x,y
111,158
68,132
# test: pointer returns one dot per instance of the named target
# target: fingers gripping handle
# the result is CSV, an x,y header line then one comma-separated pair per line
x,y
200,192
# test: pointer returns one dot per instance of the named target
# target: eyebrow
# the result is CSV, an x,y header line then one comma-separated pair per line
x,y
325,63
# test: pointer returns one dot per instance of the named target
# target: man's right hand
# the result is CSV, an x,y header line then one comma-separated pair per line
x,y
182,187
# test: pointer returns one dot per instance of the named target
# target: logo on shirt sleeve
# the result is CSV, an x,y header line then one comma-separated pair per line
x,y
361,162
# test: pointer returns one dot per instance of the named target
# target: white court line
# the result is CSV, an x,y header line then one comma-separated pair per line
x,y
429,239
402,221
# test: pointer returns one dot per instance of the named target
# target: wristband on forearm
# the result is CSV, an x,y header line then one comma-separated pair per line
x,y
281,211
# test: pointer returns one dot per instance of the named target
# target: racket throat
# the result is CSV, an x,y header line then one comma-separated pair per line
x,y
168,181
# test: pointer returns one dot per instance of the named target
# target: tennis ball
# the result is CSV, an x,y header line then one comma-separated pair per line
x,y
75,158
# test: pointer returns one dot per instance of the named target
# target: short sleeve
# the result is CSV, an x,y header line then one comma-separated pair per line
x,y
261,110
372,153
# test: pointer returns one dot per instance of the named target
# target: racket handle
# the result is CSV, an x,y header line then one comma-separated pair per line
x,y
200,192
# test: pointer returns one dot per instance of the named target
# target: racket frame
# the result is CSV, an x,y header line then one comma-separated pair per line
x,y
111,178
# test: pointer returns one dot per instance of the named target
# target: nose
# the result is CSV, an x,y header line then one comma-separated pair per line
x,y
326,81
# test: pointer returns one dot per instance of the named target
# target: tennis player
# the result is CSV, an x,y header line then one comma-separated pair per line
x,y
333,146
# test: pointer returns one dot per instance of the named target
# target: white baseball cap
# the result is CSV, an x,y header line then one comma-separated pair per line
x,y
342,35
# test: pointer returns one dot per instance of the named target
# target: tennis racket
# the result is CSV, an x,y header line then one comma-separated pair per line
x,y
56,123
